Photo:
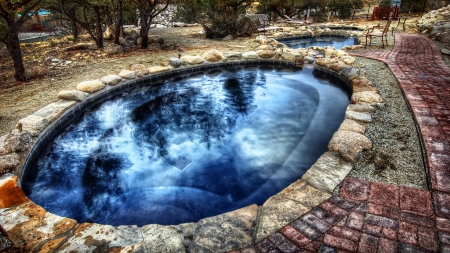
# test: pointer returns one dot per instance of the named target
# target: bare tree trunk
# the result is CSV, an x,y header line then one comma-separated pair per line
x,y
98,27
144,31
13,44
118,21
73,24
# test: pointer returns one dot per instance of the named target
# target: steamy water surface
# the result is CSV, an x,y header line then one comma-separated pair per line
x,y
188,148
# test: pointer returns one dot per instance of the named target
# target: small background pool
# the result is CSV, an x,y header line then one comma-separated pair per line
x,y
191,147
336,42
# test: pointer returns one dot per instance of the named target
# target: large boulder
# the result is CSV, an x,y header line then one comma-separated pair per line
x,y
213,55
75,95
90,86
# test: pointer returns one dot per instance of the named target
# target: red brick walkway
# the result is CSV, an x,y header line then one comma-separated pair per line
x,y
377,217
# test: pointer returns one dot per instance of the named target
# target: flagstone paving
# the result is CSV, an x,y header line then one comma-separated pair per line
x,y
378,217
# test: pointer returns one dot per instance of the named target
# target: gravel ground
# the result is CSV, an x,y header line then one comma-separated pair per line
x,y
396,157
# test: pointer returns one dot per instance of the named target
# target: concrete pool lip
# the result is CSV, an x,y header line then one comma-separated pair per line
x,y
43,230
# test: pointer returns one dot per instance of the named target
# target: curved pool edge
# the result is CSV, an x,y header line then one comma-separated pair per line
x,y
224,232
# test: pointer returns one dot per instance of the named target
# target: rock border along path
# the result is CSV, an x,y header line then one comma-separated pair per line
x,y
365,217
377,217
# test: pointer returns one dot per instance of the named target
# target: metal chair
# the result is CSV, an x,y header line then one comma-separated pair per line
x,y
383,34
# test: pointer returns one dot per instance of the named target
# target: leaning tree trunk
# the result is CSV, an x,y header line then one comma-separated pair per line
x,y
13,44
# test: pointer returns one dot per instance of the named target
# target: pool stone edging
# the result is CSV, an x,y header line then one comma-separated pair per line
x,y
250,224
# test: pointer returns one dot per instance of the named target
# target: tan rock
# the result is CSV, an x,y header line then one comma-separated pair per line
x,y
340,53
322,62
52,111
352,126
227,231
139,69
111,79
252,55
338,66
349,60
366,97
192,60
90,237
265,54
328,172
264,47
128,74
71,95
349,144
32,124
163,238
29,225
271,219
213,55
15,142
329,52
90,86
158,69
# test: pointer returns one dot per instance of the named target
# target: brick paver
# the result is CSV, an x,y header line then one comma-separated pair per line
x,y
378,217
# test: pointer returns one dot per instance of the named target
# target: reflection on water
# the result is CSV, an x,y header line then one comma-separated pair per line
x,y
336,42
188,148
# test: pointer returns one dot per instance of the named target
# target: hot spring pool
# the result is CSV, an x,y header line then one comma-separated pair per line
x,y
190,147
336,42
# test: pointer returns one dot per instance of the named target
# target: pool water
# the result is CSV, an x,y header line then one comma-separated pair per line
x,y
190,147
336,42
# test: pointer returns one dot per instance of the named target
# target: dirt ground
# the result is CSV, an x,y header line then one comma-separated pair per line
x,y
18,100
